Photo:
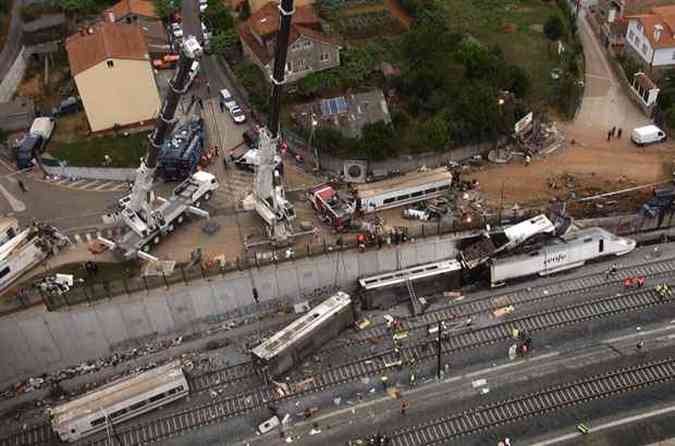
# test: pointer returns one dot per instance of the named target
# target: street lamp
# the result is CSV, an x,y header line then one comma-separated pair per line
x,y
311,137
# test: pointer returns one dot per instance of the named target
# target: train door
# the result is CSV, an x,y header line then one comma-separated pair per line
x,y
601,246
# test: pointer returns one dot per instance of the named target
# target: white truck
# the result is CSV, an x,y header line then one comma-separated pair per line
x,y
648,134
186,198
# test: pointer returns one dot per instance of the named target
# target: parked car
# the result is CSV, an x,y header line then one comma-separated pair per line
x,y
648,134
168,61
229,103
194,71
176,30
69,105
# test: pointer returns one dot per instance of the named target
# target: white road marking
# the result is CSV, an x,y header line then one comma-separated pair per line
x,y
89,185
77,183
104,185
641,333
16,204
606,426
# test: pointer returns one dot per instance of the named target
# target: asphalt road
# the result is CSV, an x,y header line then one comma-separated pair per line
x,y
65,208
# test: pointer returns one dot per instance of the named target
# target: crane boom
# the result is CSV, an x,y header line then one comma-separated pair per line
x,y
271,203
137,212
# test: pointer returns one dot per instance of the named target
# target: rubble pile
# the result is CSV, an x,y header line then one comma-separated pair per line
x,y
544,138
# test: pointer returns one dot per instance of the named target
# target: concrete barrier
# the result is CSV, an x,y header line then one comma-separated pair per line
x,y
93,173
34,342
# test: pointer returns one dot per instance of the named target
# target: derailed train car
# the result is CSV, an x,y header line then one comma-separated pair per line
x,y
288,347
566,252
386,290
118,401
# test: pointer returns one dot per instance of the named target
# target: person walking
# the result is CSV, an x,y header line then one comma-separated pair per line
x,y
618,134
404,406
609,135
613,131
21,185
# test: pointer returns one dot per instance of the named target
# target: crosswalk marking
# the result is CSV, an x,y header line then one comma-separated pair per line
x,y
104,185
91,185
77,183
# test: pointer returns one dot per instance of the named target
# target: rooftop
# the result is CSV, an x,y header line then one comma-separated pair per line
x,y
348,113
102,41
660,18
265,21
143,8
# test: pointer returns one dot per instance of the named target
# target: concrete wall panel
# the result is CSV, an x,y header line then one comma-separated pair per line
x,y
287,280
15,350
181,309
86,336
160,317
387,259
202,300
308,275
111,323
38,336
135,319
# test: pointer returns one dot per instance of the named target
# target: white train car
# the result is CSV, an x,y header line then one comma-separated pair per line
x,y
569,251
406,189
388,289
302,337
118,401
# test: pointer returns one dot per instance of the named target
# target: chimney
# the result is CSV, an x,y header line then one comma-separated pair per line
x,y
110,16
658,29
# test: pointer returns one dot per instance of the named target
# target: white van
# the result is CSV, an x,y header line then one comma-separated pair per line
x,y
42,127
647,135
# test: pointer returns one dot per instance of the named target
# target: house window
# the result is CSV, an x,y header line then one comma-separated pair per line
x,y
630,34
324,57
110,64
644,48
639,26
299,65
673,55
307,43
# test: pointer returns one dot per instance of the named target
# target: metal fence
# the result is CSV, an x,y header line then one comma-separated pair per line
x,y
92,290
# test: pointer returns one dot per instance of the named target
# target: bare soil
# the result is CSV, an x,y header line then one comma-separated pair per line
x,y
595,165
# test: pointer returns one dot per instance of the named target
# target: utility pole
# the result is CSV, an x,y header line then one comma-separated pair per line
x,y
440,330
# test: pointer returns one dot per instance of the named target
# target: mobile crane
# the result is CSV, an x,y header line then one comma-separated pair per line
x,y
147,224
270,199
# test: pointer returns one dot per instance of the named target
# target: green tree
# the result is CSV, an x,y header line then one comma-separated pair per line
x,y
670,118
554,28
165,8
435,132
517,80
3,136
357,64
218,17
377,140
224,41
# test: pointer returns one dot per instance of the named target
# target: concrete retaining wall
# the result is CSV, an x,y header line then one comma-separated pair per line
x,y
94,173
34,342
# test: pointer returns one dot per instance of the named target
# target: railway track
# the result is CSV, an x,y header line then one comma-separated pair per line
x,y
223,408
220,409
590,282
474,420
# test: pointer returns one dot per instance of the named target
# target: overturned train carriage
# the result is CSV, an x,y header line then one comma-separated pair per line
x,y
569,251
118,401
305,335
386,290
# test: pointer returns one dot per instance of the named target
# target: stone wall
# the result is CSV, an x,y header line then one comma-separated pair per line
x,y
94,173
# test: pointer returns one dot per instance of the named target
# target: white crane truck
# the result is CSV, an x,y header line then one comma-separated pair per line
x,y
147,225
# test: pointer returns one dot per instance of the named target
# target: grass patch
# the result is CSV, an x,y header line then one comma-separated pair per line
x,y
526,45
125,151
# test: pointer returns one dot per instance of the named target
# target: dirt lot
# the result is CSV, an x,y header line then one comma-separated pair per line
x,y
597,166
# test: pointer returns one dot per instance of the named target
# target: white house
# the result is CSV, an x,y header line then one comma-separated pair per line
x,y
650,38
